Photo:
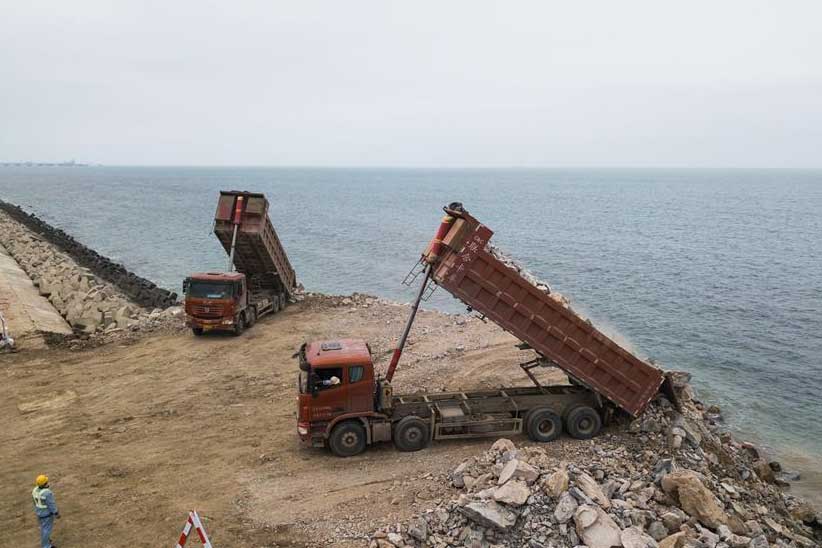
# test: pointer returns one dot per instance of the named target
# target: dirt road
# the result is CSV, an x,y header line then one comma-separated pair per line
x,y
136,435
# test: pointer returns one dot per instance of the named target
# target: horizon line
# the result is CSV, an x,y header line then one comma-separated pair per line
x,y
404,167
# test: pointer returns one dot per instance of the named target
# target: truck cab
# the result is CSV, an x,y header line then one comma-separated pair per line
x,y
216,301
336,385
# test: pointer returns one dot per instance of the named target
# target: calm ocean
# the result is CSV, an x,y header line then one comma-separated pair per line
x,y
717,272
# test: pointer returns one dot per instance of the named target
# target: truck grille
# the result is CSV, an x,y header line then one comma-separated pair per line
x,y
207,310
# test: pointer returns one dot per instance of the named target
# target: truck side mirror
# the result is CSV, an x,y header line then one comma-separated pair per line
x,y
186,283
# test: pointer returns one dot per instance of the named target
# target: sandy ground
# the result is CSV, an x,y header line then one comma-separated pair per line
x,y
135,435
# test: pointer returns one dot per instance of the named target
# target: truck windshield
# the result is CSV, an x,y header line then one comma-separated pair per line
x,y
209,290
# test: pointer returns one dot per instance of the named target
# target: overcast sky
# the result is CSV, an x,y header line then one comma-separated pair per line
x,y
445,83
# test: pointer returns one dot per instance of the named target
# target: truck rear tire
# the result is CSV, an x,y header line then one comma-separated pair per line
x,y
198,331
583,422
411,434
347,439
543,425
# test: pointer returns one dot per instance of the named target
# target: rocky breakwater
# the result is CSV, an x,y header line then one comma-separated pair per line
x,y
671,479
136,289
92,306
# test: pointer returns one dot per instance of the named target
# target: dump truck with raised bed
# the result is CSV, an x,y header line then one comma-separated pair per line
x,y
345,405
259,279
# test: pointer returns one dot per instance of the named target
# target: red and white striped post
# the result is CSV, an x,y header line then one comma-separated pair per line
x,y
194,521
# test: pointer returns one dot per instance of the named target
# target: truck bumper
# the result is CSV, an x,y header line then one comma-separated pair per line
x,y
308,438
210,325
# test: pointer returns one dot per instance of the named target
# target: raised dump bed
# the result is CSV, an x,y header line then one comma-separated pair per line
x,y
464,267
258,252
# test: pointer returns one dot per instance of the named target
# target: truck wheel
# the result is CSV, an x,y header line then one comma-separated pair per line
x,y
347,439
543,425
583,422
239,325
252,317
411,434
198,331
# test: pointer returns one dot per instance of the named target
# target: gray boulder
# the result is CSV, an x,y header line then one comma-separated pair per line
x,y
490,514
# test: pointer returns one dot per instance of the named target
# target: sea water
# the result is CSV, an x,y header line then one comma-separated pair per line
x,y
717,272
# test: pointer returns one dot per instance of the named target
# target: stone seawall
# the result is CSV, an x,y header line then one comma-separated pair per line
x,y
92,306
138,290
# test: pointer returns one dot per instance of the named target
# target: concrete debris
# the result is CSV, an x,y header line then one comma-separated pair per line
x,y
629,488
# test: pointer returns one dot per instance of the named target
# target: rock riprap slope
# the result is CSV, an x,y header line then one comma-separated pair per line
x,y
89,304
138,290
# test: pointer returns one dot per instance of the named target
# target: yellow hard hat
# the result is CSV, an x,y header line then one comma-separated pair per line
x,y
41,480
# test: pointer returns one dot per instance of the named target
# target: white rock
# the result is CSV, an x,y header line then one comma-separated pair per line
x,y
518,469
596,528
514,493
591,488
502,445
565,508
557,483
633,537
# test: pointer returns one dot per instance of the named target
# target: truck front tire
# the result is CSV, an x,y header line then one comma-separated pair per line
x,y
411,434
347,439
239,325
543,425
583,422
198,331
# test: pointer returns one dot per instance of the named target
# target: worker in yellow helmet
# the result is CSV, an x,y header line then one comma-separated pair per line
x,y
45,508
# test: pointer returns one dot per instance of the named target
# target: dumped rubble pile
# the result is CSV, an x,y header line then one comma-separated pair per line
x,y
90,305
318,301
671,479
511,263
138,290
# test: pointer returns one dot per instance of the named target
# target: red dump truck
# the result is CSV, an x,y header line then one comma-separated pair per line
x,y
263,281
345,405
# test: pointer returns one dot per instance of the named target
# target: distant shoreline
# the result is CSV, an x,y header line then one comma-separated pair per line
x,y
72,163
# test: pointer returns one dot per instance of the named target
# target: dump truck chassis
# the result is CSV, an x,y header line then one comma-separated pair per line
x,y
472,414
